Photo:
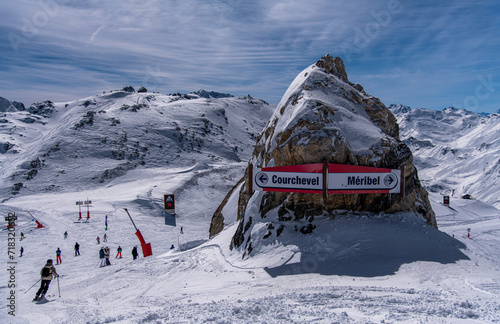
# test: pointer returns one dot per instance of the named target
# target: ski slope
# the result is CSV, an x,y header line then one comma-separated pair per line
x,y
356,268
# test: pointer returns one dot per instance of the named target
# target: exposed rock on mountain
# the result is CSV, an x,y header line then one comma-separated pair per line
x,y
6,105
323,116
99,139
456,151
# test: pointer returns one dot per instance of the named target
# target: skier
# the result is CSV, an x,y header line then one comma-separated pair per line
x,y
98,240
172,247
77,249
134,252
101,258
66,235
119,250
182,230
105,238
47,272
22,250
58,256
106,253
22,236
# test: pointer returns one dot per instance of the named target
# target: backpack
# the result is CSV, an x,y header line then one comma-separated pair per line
x,y
45,272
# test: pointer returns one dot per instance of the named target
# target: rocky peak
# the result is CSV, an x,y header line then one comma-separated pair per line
x,y
322,116
333,66
6,105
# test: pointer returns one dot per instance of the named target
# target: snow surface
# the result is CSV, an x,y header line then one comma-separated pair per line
x,y
359,268
456,151
356,268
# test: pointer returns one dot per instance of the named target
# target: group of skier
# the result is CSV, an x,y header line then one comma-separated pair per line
x,y
48,272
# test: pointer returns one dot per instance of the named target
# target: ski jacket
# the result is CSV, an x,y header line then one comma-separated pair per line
x,y
106,252
101,253
58,252
53,272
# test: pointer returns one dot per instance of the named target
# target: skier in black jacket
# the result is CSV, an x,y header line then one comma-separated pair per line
x,y
134,252
77,249
47,272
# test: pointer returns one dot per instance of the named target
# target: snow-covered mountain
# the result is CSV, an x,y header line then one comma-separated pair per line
x,y
456,151
123,149
86,143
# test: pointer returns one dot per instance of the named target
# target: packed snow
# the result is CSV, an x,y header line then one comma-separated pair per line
x,y
359,268
456,151
355,268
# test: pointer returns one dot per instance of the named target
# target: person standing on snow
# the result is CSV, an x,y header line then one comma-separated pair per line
x,y
105,238
47,272
77,249
22,250
134,252
119,250
98,239
66,235
106,253
22,236
101,257
58,256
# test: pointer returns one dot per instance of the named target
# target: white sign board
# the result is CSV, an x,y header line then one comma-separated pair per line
x,y
387,181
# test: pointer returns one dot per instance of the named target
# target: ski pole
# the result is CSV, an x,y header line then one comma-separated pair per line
x,y
32,286
58,288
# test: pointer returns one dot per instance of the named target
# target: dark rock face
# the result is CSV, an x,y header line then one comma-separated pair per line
x,y
323,116
6,105
44,108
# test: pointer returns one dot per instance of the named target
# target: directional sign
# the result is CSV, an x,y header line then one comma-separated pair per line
x,y
355,179
169,203
340,179
305,178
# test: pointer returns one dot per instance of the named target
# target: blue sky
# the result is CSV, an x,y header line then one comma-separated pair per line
x,y
424,54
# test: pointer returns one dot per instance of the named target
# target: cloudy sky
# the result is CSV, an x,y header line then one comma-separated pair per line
x,y
425,54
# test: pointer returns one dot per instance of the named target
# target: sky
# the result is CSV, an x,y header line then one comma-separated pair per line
x,y
424,54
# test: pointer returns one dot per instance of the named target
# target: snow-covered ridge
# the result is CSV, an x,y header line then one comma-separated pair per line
x,y
456,151
100,138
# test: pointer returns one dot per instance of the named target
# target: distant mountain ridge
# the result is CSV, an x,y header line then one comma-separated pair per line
x,y
94,140
456,151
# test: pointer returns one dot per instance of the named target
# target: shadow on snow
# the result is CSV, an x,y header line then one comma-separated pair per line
x,y
351,248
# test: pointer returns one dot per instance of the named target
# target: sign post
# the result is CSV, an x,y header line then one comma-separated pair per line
x,y
350,179
169,206
79,203
88,203
328,178
169,203
305,178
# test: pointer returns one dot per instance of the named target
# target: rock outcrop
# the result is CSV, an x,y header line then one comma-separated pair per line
x,y
6,105
323,116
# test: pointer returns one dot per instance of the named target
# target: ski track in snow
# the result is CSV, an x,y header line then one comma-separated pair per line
x,y
202,281
208,284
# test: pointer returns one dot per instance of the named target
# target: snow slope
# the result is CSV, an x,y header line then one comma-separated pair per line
x,y
456,151
356,268
361,268
95,140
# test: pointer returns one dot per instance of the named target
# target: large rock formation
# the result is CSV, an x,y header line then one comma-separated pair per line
x,y
323,116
